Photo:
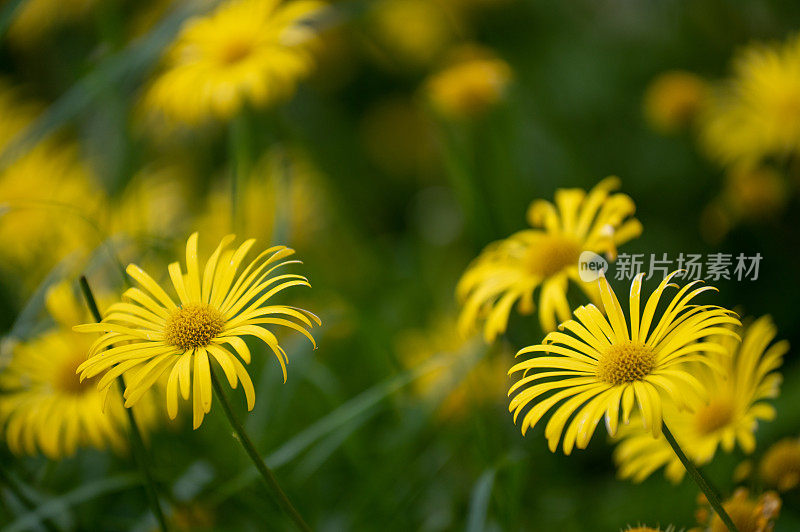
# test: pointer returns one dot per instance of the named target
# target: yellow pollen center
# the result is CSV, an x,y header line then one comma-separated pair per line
x,y
194,325
551,254
625,363
235,51
67,381
713,416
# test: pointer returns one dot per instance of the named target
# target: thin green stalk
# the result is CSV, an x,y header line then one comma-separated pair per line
x,y
247,443
137,444
26,501
704,485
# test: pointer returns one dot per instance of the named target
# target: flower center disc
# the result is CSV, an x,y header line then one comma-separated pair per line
x,y
626,363
193,326
551,254
235,52
713,417
67,379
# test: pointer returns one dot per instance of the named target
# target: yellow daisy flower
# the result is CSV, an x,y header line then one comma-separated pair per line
x,y
546,257
215,309
472,82
466,378
780,466
757,112
735,404
246,51
673,99
604,365
45,406
47,196
748,514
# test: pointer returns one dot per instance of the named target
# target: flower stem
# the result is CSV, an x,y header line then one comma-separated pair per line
x,y
247,443
704,485
137,444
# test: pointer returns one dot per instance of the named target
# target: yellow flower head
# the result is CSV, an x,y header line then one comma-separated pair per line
x,y
545,257
247,51
755,193
780,466
216,307
34,18
673,99
748,514
43,403
472,82
463,380
47,197
757,112
742,377
411,33
283,181
604,364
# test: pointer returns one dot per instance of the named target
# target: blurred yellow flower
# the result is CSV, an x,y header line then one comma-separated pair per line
x,y
744,377
283,184
48,203
45,406
461,382
34,18
673,99
780,465
149,332
473,81
247,51
755,193
748,514
603,364
410,33
756,113
511,270
152,204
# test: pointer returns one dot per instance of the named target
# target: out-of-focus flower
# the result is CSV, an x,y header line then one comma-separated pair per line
x,y
730,414
511,270
756,113
673,99
398,137
150,334
780,466
410,33
456,385
153,205
755,193
283,184
34,18
472,81
45,406
748,514
246,52
48,203
749,195
603,364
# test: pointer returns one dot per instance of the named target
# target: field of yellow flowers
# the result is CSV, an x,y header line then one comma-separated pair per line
x,y
401,265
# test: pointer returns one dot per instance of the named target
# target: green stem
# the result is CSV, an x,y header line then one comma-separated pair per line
x,y
704,485
250,448
137,443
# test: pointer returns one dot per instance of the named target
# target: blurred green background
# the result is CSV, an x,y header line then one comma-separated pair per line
x,y
385,230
